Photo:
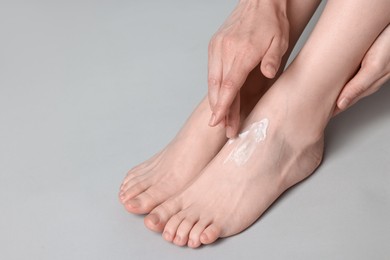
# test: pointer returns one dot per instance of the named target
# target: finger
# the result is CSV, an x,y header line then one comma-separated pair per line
x,y
230,86
336,111
273,56
214,72
369,91
233,118
355,87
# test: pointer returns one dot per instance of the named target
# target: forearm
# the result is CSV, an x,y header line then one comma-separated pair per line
x,y
332,54
337,45
299,13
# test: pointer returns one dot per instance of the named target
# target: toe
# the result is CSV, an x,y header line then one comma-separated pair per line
x,y
130,176
137,188
159,216
143,203
134,181
135,173
210,234
183,231
133,206
196,231
172,226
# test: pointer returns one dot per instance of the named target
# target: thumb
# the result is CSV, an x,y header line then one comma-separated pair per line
x,y
272,58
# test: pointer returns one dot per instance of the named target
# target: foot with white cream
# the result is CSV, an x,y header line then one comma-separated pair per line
x,y
271,154
154,181
162,176
282,139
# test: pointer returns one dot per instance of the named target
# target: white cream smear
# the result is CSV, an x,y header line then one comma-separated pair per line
x,y
247,142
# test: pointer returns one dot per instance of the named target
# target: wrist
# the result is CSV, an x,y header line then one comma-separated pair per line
x,y
280,6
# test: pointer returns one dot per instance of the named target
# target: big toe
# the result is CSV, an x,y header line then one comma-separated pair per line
x,y
132,189
210,234
158,217
141,204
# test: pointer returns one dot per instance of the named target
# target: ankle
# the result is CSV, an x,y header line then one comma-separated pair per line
x,y
308,155
309,105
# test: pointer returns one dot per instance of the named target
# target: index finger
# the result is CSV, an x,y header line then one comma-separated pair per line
x,y
230,86
214,73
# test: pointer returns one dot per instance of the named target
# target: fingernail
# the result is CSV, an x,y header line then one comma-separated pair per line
x,y
343,104
229,132
212,120
271,69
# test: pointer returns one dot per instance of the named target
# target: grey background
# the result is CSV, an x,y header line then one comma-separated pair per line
x,y
89,89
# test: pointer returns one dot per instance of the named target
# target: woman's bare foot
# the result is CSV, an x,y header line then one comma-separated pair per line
x,y
282,142
154,181
274,152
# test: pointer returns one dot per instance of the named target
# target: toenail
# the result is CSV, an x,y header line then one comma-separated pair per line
x,y
167,236
177,239
154,219
204,237
190,243
134,203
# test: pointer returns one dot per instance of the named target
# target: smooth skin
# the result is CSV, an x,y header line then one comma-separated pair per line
x,y
257,32
154,181
240,43
226,199
373,73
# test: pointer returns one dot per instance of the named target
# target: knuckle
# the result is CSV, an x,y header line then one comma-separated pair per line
x,y
212,81
357,90
213,41
229,85
242,47
227,42
374,66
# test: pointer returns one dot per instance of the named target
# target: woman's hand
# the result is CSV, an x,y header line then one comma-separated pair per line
x,y
373,73
256,31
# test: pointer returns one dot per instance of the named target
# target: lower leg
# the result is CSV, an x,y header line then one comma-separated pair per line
x,y
285,151
333,53
155,180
